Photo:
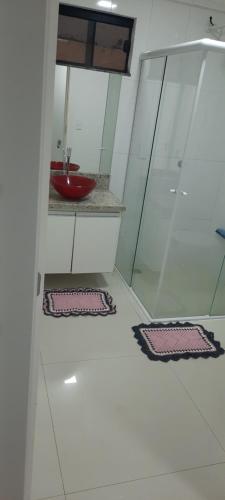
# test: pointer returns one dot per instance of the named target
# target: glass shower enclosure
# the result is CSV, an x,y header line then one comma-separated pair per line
x,y
169,251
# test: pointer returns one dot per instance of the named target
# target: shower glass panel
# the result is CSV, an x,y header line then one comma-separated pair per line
x,y
195,252
138,165
218,221
178,99
169,249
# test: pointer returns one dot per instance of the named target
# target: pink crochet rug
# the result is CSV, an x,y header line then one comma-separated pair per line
x,y
77,302
173,341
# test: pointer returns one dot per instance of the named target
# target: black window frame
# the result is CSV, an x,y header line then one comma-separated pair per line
x,y
94,16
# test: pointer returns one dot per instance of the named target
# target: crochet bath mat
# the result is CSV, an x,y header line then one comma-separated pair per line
x,y
77,302
174,341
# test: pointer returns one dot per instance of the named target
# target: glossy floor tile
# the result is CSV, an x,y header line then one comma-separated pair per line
x,y
46,480
204,381
123,419
207,483
72,339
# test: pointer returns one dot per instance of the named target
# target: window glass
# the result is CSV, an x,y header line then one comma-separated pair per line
x,y
93,39
111,46
72,39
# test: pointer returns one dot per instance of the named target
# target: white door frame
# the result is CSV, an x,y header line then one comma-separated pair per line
x,y
28,33
43,194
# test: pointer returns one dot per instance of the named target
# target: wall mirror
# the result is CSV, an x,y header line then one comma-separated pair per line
x,y
85,115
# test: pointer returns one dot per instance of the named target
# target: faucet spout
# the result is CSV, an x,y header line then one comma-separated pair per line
x,y
68,156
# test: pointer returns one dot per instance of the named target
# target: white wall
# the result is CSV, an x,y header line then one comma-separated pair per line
x,y
159,23
86,114
22,43
167,23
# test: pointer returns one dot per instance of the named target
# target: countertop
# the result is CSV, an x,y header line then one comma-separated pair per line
x,y
101,201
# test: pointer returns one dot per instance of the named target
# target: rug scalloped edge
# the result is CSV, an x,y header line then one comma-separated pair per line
x,y
108,299
176,357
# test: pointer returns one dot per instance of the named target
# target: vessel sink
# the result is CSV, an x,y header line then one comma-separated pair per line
x,y
73,187
58,165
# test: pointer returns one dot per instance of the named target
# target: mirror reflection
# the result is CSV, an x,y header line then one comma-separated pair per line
x,y
85,115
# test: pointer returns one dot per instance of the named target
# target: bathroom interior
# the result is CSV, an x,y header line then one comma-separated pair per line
x,y
136,210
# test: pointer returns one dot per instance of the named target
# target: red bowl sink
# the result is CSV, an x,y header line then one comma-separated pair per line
x,y
58,165
73,187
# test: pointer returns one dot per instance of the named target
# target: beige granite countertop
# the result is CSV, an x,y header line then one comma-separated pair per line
x,y
98,201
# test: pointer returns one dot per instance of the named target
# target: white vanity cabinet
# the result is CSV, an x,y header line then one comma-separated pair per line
x,y
82,242
95,243
60,236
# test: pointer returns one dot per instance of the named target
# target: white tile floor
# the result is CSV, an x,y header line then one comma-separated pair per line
x,y
129,428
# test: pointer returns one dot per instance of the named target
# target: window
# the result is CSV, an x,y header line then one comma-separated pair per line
x,y
94,39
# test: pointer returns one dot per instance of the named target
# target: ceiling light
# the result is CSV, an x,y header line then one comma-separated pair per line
x,y
107,4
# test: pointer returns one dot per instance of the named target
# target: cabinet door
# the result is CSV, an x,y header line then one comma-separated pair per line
x,y
60,233
95,244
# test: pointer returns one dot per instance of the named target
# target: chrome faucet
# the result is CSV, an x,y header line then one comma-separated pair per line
x,y
66,161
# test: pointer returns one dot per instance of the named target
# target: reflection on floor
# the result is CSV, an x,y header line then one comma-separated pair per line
x,y
112,424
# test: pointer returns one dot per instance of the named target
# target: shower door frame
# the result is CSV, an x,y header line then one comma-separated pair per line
x,y
204,45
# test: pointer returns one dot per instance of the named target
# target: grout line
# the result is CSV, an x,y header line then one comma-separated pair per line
x,y
125,356
199,467
196,407
54,434
53,498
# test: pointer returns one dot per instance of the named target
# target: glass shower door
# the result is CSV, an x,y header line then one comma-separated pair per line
x,y
179,254
194,254
166,169
147,105
195,251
